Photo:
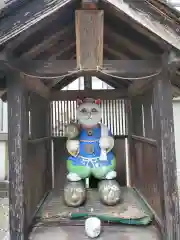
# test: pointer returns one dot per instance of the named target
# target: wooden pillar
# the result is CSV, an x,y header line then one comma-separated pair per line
x,y
87,82
17,148
164,130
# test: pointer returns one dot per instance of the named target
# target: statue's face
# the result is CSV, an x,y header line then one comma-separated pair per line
x,y
89,114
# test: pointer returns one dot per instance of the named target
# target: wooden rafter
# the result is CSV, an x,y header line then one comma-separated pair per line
x,y
45,45
65,81
128,43
117,54
62,51
175,91
117,13
36,85
34,29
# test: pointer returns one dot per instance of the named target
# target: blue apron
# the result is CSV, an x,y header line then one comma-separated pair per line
x,y
90,151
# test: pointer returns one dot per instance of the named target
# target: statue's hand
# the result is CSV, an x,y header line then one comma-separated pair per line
x,y
73,146
106,143
72,130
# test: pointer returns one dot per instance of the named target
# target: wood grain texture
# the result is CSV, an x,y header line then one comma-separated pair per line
x,y
29,168
145,173
166,162
110,94
17,149
89,38
109,232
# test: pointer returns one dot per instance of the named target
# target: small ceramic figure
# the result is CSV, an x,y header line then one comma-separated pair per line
x,y
90,147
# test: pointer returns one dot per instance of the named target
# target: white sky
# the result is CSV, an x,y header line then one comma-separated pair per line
x,y
176,3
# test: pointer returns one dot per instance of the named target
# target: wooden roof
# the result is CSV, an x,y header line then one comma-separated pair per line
x,y
45,30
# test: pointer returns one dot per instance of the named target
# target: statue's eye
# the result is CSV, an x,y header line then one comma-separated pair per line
x,y
83,110
94,110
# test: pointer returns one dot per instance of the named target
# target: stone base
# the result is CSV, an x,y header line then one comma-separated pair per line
x,y
110,192
74,194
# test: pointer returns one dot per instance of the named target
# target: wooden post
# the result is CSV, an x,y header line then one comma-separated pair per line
x,y
87,82
17,148
164,129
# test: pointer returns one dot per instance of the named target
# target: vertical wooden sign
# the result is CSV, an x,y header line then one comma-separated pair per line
x,y
89,38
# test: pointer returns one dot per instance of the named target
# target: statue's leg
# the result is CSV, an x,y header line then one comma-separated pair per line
x,y
81,171
109,188
103,170
74,190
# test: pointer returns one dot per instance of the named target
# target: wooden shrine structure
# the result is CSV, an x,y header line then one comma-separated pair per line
x,y
133,46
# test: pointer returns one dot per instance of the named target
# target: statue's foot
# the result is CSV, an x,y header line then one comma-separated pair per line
x,y
110,192
111,175
73,177
74,193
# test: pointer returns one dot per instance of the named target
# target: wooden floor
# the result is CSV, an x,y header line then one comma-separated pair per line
x,y
112,232
119,232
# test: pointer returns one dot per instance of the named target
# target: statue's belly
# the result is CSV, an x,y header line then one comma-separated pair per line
x,y
89,155
89,149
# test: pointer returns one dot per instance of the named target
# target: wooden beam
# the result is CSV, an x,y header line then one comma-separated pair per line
x,y
110,94
124,68
175,91
118,82
89,38
139,87
132,68
117,54
57,53
62,47
58,80
89,4
107,6
128,43
111,83
65,81
44,20
166,162
50,41
32,84
36,85
2,92
54,82
4,96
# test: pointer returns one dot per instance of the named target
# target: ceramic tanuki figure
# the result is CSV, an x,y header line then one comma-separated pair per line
x,y
90,146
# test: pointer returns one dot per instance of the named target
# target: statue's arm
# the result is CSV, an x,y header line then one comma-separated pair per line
x,y
107,142
72,144
111,141
72,147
